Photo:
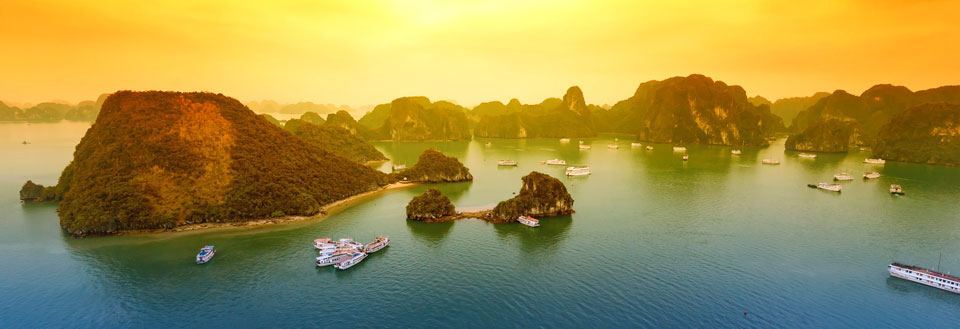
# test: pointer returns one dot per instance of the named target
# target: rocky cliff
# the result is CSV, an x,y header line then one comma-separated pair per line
x,y
416,118
540,196
928,133
434,167
431,206
831,135
567,117
162,159
32,192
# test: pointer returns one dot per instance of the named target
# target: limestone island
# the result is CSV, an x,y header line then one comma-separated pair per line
x,y
540,196
435,167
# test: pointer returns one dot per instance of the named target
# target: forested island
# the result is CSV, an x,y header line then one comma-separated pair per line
x,y
435,167
53,111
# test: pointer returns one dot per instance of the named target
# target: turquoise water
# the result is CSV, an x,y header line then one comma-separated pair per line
x,y
655,242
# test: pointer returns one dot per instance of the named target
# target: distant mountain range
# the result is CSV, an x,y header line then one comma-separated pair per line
x,y
53,111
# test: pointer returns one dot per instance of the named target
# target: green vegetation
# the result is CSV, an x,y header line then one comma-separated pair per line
x,y
162,159
788,108
928,133
53,112
416,118
271,120
312,117
569,117
830,135
431,206
334,139
434,167
540,195
32,192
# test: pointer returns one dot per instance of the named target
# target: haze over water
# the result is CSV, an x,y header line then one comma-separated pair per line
x,y
654,242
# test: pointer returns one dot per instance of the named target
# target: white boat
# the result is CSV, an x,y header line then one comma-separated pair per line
x,y
649,147
528,221
379,243
871,175
333,259
399,167
348,243
556,162
584,147
736,152
686,157
874,161
564,140
339,250
770,161
842,177
206,254
924,276
679,149
355,259
488,144
508,163
807,155
321,243
613,146
896,189
578,171
636,145
830,187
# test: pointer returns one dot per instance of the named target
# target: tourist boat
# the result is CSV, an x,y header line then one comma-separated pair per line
x,y
338,258
584,147
348,243
206,254
528,221
686,157
355,259
564,140
924,276
322,243
578,171
871,175
896,189
338,250
488,144
399,167
613,146
649,147
508,163
736,152
636,145
556,162
679,149
842,177
874,161
807,155
830,187
379,243
770,162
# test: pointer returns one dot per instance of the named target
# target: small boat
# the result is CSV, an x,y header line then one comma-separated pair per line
x,y
842,177
896,189
770,161
871,175
379,243
584,147
686,157
636,145
679,149
578,171
556,162
874,161
26,142
355,259
508,163
528,221
736,152
333,259
613,146
399,167
807,155
206,254
488,144
649,147
348,243
924,276
564,140
830,187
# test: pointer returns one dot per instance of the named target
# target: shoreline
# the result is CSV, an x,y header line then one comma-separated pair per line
x,y
326,211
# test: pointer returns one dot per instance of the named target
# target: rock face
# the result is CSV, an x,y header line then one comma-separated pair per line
x,y
788,108
834,135
540,195
312,117
334,139
32,192
928,133
431,206
569,117
417,119
434,167
693,110
162,159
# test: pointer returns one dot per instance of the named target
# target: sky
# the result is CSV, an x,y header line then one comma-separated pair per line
x,y
360,52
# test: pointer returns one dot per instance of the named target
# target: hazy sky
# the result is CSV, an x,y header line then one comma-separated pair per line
x,y
367,52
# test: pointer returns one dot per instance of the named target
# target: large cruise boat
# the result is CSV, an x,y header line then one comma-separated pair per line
x,y
379,243
333,259
924,276
206,254
355,259
528,221
827,187
507,163
871,175
578,171
556,162
679,149
842,177
807,155
770,161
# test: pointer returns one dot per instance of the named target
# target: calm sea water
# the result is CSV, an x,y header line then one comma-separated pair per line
x,y
655,242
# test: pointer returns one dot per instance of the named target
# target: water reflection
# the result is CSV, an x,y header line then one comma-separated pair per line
x,y
431,233
539,241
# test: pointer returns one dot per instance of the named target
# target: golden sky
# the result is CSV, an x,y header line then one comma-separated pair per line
x,y
368,52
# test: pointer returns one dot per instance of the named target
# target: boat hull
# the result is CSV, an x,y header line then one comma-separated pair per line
x,y
925,278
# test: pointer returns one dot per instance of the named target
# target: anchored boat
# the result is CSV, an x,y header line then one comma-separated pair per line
x,y
685,157
807,155
354,259
379,243
830,187
578,171
874,161
564,140
636,145
649,147
896,189
556,162
842,177
507,163
584,146
770,161
613,146
528,221
736,152
679,149
871,175
206,254
333,259
924,276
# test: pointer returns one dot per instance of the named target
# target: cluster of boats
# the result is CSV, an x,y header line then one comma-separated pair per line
x,y
895,189
345,253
